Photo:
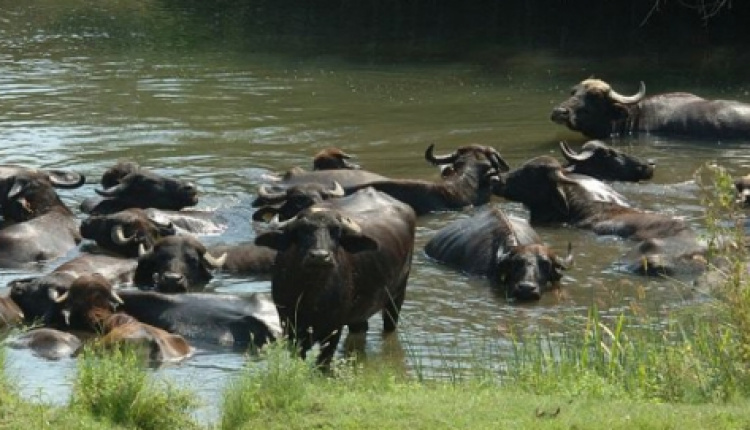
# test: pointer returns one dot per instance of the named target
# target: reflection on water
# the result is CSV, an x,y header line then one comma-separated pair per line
x,y
223,119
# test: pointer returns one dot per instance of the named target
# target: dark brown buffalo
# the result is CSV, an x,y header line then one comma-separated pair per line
x,y
598,111
288,202
125,232
505,249
206,318
469,182
331,159
90,305
339,262
127,185
176,264
38,225
603,162
742,186
554,196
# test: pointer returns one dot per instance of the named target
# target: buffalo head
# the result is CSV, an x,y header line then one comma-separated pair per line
x,y
293,200
600,161
33,295
142,188
125,232
28,195
176,264
333,158
593,107
526,271
88,302
742,185
315,237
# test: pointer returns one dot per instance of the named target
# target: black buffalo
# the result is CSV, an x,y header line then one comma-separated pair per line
x,y
38,226
603,162
467,181
742,186
289,201
598,111
554,196
127,185
176,264
505,249
207,318
125,232
339,262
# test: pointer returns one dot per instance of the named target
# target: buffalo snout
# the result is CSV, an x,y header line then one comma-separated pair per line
x,y
319,257
560,115
527,291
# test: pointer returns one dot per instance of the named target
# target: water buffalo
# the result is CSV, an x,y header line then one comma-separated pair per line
x,y
603,162
339,262
598,111
90,305
47,343
468,183
245,258
505,249
125,232
38,225
176,264
288,202
127,185
211,318
554,196
742,186
333,158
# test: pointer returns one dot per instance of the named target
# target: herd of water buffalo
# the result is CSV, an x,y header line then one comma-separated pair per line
x,y
337,241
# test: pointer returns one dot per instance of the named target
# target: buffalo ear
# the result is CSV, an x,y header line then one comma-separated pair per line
x,y
358,243
276,240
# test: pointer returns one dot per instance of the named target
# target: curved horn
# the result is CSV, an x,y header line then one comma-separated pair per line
x,y
559,177
15,190
566,262
571,156
58,298
115,297
628,99
498,161
63,179
214,262
264,192
280,225
142,250
439,159
336,191
111,191
118,236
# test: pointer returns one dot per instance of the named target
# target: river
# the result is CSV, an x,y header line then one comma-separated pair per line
x,y
221,117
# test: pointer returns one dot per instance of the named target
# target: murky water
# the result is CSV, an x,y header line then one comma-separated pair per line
x,y
224,118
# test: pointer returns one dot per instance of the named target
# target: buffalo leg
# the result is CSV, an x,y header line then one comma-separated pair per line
x,y
328,348
393,308
360,327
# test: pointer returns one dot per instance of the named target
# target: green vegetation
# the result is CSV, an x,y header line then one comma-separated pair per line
x,y
684,367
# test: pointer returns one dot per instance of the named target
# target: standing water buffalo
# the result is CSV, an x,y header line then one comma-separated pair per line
x,y
606,163
339,262
505,249
467,181
598,111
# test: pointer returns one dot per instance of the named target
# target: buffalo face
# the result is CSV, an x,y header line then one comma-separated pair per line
x,y
89,301
527,271
125,232
593,107
293,200
27,196
176,264
603,162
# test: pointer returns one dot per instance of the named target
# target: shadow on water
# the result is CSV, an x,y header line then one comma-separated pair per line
x,y
81,90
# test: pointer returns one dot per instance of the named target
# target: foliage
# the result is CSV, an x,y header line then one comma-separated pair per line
x,y
112,385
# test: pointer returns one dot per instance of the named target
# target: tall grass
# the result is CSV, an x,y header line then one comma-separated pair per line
x,y
112,384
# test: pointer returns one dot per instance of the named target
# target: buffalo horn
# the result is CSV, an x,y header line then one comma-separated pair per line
x,y
56,297
350,226
498,161
280,225
15,190
118,236
566,262
62,179
116,297
214,262
336,191
111,191
559,177
439,159
264,191
142,250
619,98
571,155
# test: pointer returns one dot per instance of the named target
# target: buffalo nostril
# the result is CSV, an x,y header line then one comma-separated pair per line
x,y
528,291
319,256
